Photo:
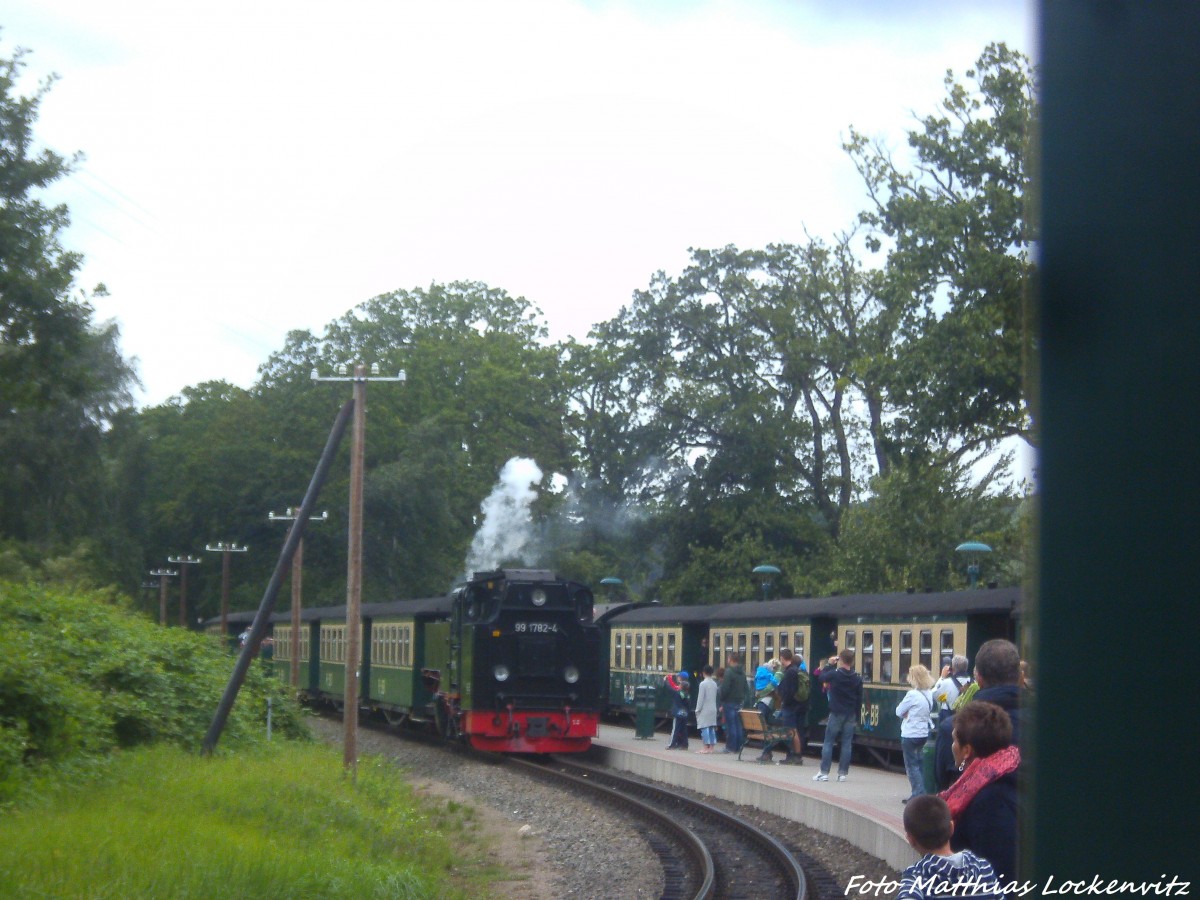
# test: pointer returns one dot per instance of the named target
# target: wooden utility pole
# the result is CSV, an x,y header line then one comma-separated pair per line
x,y
354,574
183,562
225,548
297,569
354,560
163,575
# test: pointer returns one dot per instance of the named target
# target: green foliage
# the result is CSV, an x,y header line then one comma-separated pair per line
x,y
80,676
905,535
62,376
742,374
712,552
480,389
281,821
959,237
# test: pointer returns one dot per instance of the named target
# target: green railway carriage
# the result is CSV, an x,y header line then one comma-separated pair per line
x,y
889,633
401,640
285,646
647,643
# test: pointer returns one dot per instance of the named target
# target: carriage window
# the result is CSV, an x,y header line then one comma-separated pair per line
x,y
798,644
947,646
671,652
650,651
755,650
629,650
885,656
637,654
659,658
927,648
769,645
850,641
741,645
716,650
783,640
905,654
868,656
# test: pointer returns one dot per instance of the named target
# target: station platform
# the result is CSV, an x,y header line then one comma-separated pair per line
x,y
865,810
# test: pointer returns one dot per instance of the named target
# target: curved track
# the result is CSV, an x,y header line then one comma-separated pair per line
x,y
704,851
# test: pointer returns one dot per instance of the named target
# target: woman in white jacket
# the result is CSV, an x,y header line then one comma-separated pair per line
x,y
916,721
706,711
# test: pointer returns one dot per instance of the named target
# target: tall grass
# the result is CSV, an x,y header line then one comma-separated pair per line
x,y
280,821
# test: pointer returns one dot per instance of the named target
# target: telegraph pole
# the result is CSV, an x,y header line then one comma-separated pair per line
x,y
354,558
225,548
297,566
162,575
183,562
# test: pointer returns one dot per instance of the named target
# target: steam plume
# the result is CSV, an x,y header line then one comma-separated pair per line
x,y
507,527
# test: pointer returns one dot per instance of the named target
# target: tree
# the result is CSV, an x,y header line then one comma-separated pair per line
x,y
481,388
744,372
62,376
959,237
904,535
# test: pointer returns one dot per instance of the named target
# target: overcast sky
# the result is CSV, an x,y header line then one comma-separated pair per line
x,y
257,167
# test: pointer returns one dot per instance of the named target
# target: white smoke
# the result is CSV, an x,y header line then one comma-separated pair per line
x,y
507,527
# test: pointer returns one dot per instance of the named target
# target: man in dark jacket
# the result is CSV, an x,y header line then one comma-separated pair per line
x,y
732,695
845,701
998,674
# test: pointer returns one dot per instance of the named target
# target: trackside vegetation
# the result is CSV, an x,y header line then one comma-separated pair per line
x,y
103,791
278,820
81,676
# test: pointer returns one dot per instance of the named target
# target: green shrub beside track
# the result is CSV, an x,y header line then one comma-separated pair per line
x,y
81,676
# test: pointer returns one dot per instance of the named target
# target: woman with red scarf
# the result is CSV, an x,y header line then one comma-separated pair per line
x,y
983,801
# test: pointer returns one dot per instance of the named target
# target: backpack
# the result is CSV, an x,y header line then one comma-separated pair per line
x,y
803,684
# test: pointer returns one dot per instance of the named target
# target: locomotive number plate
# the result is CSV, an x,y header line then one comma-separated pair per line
x,y
535,627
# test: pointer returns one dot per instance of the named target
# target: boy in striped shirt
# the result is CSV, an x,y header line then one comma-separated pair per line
x,y
941,872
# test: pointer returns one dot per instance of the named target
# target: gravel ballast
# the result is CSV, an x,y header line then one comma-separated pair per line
x,y
564,846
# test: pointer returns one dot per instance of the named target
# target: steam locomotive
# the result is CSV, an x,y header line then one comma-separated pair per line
x,y
508,662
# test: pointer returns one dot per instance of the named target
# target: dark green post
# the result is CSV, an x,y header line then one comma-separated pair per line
x,y
1116,599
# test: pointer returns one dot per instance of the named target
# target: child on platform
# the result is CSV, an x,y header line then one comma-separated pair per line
x,y
940,872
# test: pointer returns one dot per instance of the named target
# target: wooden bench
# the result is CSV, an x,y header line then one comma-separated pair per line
x,y
757,728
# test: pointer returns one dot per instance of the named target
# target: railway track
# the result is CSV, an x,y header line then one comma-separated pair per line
x,y
705,853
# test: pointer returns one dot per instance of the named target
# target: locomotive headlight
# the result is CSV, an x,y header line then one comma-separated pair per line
x,y
539,597
571,674
501,672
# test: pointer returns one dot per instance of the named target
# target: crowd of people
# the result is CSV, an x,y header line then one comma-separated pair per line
x,y
965,823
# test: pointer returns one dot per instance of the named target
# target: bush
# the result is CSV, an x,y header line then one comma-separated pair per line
x,y
80,675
